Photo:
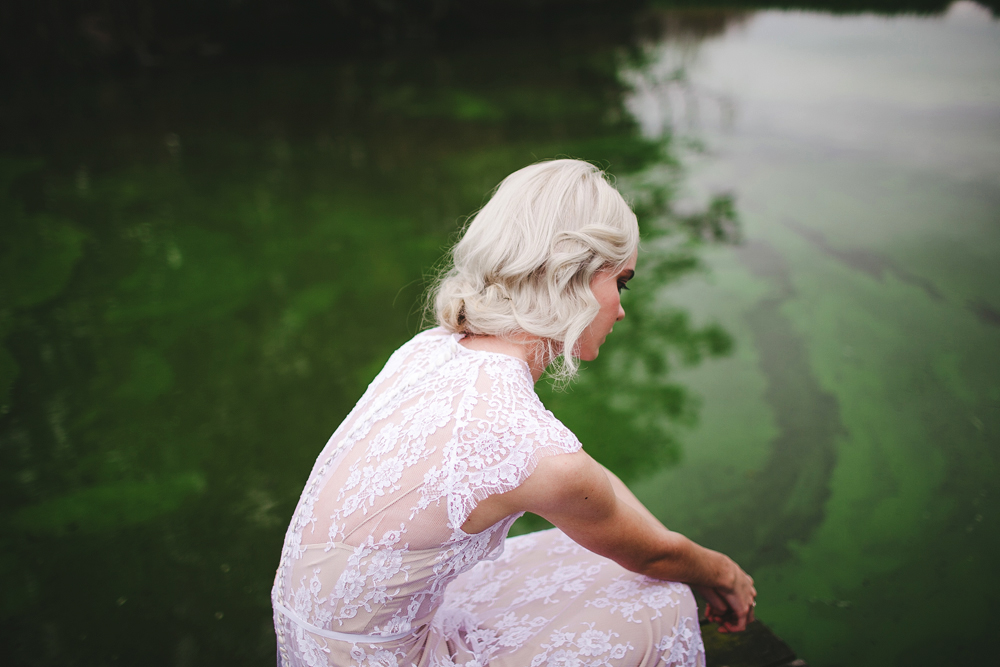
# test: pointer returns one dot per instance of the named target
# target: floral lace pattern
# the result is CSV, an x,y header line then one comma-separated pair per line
x,y
590,648
684,646
628,595
377,570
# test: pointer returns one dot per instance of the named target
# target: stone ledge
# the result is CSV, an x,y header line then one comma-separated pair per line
x,y
755,647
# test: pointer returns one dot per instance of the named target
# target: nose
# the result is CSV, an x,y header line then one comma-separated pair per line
x,y
621,314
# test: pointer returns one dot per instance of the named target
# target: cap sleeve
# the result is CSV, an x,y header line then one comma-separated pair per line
x,y
503,432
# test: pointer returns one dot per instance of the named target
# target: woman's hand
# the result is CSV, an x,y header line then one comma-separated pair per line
x,y
731,606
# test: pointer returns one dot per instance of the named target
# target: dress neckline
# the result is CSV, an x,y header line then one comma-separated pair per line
x,y
521,362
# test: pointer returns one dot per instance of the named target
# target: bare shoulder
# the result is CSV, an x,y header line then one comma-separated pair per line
x,y
573,483
565,471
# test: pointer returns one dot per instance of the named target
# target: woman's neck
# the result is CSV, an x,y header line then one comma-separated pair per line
x,y
525,347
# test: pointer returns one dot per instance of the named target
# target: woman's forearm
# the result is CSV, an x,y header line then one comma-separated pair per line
x,y
727,588
690,563
625,495
682,559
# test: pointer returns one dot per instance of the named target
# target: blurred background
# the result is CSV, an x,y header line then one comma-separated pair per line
x,y
217,219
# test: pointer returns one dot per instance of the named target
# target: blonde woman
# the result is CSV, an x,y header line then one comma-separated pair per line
x,y
397,552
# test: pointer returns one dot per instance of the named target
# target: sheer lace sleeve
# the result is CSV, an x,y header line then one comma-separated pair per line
x,y
502,430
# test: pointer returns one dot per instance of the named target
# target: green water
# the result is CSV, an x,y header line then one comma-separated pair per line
x,y
200,271
847,451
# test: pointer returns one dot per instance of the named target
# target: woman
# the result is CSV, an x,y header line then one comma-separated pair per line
x,y
396,553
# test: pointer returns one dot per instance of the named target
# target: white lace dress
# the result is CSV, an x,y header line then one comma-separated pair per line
x,y
376,569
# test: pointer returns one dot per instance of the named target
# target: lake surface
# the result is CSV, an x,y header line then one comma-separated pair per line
x,y
201,270
847,451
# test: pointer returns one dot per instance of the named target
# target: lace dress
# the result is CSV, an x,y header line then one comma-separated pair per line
x,y
376,569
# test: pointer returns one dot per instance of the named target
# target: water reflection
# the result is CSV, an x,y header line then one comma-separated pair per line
x,y
201,272
848,450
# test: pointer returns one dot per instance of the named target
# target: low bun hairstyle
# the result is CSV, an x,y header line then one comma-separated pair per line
x,y
525,261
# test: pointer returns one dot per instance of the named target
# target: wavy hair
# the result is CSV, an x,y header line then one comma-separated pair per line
x,y
525,261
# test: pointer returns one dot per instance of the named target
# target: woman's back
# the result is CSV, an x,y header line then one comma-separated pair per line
x,y
377,534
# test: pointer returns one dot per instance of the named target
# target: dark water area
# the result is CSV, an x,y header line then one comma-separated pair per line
x,y
207,251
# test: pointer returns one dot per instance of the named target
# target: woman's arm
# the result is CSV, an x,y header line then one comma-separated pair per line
x,y
594,508
626,496
718,609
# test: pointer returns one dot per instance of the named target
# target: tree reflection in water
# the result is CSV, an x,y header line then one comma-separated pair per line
x,y
202,270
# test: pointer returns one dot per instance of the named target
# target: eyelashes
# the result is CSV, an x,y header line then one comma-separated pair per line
x,y
623,279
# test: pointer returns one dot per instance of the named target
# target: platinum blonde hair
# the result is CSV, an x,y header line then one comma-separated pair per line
x,y
525,261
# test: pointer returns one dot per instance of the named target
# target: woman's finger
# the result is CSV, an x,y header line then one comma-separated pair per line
x,y
717,609
714,600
